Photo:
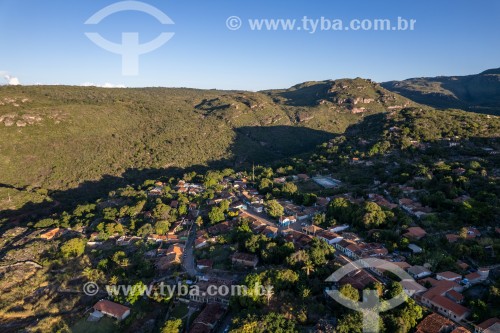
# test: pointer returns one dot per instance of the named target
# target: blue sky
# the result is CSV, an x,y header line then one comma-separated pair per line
x,y
44,42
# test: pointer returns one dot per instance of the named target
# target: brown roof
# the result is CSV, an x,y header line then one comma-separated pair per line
x,y
244,257
269,230
359,279
449,305
111,308
488,323
199,241
449,275
415,232
460,330
328,235
473,276
51,233
455,295
207,319
433,323
432,281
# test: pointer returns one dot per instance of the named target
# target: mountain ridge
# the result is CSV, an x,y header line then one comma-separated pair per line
x,y
476,93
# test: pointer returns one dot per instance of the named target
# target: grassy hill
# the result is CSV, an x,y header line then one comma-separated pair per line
x,y
59,137
478,93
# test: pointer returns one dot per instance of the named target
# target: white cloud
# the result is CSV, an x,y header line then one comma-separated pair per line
x,y
105,85
11,80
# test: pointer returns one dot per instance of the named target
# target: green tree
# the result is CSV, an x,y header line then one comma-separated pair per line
x,y
319,219
352,322
265,185
45,223
216,215
289,189
120,258
73,248
136,291
162,227
374,215
274,209
199,221
145,230
350,292
161,211
172,326
224,205
94,275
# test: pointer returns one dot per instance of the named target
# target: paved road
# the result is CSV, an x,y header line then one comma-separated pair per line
x,y
188,261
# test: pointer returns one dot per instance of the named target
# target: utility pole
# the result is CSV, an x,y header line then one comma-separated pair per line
x,y
253,172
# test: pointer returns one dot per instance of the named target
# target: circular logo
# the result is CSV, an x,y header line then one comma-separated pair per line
x,y
90,288
233,23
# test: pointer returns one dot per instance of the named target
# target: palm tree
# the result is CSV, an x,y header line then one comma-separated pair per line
x,y
308,267
305,293
113,280
88,273
94,275
269,294
199,221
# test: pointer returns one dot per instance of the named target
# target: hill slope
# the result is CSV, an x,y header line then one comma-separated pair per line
x,y
58,137
478,93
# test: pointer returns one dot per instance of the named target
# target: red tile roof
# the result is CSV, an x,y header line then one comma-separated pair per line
x,y
111,308
415,232
433,323
449,305
488,323
207,319
473,276
449,275
455,295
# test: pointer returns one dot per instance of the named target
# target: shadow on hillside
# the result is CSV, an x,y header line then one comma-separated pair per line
x,y
475,93
305,95
251,145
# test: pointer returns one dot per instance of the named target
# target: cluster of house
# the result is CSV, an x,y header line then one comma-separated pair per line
x,y
435,323
205,237
444,291
472,233
300,213
244,259
214,307
169,257
441,294
381,201
414,208
189,188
